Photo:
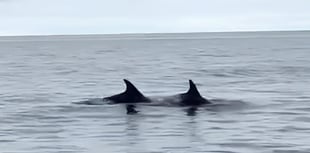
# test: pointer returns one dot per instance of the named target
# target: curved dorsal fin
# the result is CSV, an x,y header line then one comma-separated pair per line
x,y
131,89
193,91
192,97
130,95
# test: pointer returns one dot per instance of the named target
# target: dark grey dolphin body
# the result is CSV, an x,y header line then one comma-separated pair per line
x,y
192,97
132,95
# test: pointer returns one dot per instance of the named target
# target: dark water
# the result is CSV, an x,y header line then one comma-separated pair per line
x,y
259,82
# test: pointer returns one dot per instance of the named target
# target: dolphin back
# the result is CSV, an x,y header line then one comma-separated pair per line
x,y
130,95
192,97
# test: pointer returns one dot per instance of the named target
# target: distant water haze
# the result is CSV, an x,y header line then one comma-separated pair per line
x,y
259,82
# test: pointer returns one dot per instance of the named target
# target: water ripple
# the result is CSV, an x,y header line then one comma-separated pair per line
x,y
258,83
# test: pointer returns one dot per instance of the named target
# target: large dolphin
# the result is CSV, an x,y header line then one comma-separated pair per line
x,y
132,95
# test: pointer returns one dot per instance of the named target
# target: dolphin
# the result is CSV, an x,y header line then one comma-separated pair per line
x,y
130,95
192,97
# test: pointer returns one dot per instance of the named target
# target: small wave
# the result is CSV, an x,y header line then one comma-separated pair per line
x,y
216,104
94,101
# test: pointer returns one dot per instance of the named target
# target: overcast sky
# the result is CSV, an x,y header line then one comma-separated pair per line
x,y
46,17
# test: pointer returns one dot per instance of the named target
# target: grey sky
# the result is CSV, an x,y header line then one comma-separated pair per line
x,y
35,17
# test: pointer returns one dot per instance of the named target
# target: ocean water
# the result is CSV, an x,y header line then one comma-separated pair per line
x,y
258,82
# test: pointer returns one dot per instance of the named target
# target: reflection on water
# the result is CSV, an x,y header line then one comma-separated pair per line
x,y
191,111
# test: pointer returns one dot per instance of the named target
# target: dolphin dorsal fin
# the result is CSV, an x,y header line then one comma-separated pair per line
x,y
131,89
193,91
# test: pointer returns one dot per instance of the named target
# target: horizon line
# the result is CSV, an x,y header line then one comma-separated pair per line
x,y
150,33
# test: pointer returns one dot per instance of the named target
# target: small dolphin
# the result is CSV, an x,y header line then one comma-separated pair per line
x,y
130,95
192,97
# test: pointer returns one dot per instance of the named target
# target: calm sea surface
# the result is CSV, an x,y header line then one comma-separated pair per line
x,y
259,83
